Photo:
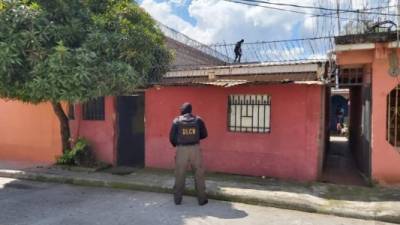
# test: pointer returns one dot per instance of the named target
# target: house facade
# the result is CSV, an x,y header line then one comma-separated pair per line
x,y
375,56
31,132
264,119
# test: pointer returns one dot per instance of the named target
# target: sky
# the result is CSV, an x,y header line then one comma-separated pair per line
x,y
219,21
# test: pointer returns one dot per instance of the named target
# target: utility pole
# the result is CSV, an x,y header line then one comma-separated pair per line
x,y
398,20
398,12
338,14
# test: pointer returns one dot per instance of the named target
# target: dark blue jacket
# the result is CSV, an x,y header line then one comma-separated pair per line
x,y
173,134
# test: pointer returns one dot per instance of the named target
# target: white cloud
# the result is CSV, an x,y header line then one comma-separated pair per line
x,y
218,21
163,13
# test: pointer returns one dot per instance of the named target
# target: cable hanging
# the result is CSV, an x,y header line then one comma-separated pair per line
x,y
317,7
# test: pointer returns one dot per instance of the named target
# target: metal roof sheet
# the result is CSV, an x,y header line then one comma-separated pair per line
x,y
246,69
228,76
224,83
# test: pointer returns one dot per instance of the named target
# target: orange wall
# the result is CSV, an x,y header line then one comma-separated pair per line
x,y
355,57
385,158
28,132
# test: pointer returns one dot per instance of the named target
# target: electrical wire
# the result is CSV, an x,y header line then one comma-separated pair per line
x,y
282,9
269,7
363,10
317,7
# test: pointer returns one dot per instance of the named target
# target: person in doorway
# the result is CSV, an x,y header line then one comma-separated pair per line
x,y
339,119
186,132
238,51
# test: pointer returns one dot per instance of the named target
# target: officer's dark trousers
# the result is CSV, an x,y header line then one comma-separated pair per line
x,y
185,155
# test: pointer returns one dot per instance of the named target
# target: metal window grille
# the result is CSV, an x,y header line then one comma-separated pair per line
x,y
71,111
249,113
393,117
350,76
93,109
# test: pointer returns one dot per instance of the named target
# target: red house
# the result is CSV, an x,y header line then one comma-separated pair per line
x,y
263,120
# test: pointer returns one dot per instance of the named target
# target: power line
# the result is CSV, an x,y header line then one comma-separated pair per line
x,y
268,7
247,3
363,10
317,7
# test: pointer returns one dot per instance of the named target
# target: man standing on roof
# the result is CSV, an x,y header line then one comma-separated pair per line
x,y
238,51
186,132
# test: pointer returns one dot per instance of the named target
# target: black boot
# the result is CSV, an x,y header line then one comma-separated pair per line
x,y
203,202
178,200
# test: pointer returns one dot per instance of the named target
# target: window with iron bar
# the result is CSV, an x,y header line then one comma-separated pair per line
x,y
93,109
249,113
71,111
393,117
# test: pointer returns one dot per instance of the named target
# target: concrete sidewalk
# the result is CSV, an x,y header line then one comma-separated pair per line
x,y
376,203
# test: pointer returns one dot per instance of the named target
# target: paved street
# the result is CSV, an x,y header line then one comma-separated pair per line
x,y
25,202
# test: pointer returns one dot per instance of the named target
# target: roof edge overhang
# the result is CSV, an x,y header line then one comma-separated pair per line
x,y
354,47
233,83
364,46
366,41
247,69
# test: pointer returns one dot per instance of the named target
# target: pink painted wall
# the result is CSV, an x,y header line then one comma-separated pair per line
x,y
292,150
28,132
101,134
385,158
355,57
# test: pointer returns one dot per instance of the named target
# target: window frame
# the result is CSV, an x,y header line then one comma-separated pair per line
x,y
265,103
71,111
393,113
94,109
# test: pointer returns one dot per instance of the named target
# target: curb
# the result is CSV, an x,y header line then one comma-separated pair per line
x,y
373,211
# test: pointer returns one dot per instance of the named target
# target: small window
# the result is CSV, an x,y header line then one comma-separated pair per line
x,y
71,111
393,117
93,109
249,113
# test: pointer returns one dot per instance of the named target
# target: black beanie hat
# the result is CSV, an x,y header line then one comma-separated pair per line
x,y
186,108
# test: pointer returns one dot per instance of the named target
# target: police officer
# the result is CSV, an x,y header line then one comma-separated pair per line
x,y
186,132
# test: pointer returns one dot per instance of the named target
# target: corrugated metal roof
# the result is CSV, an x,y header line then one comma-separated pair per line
x,y
246,69
274,78
224,83
226,76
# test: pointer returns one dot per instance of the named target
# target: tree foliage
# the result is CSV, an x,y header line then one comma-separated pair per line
x,y
75,50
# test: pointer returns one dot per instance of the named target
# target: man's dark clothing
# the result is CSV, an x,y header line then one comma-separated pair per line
x,y
189,155
186,132
238,51
187,122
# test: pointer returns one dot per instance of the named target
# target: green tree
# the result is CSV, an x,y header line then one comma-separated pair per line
x,y
73,51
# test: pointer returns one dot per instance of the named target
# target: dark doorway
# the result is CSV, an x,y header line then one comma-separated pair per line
x,y
339,102
130,111
346,154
